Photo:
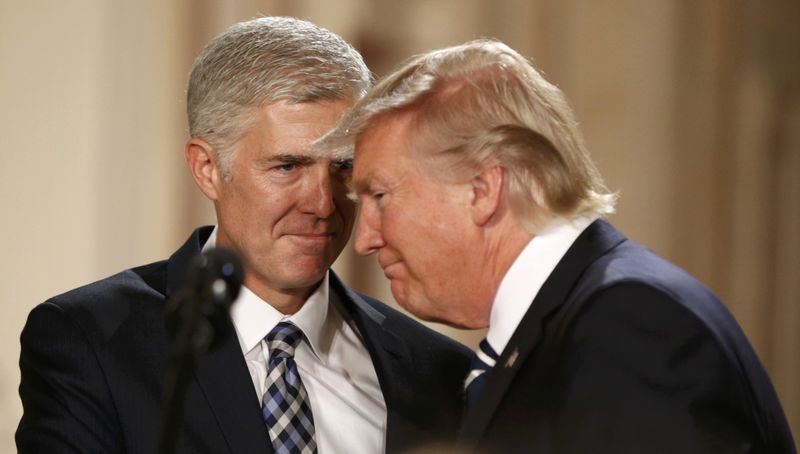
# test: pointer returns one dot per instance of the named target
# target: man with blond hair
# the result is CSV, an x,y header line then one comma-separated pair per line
x,y
485,209
313,366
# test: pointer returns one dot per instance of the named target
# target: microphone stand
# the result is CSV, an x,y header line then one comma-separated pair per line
x,y
200,313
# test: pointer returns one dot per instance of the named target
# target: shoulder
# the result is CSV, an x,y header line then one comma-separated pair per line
x,y
668,341
414,332
71,354
145,278
101,307
644,283
638,292
632,307
634,313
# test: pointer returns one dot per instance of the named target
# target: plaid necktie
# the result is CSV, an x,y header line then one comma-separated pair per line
x,y
286,409
482,361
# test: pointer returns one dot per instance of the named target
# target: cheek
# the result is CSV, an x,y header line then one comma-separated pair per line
x,y
441,244
248,196
273,206
432,229
416,240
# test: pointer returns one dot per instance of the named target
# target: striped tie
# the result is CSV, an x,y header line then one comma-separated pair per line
x,y
286,409
482,362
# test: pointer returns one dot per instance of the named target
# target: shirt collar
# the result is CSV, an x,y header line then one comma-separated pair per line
x,y
527,274
254,318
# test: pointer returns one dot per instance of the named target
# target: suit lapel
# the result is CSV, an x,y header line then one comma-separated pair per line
x,y
222,374
179,262
595,241
226,384
390,357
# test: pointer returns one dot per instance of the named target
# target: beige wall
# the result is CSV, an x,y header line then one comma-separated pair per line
x,y
692,110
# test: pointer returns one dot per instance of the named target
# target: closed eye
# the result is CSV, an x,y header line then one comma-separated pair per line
x,y
380,199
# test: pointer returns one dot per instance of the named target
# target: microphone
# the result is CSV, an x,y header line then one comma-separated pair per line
x,y
198,319
217,276
221,271
200,310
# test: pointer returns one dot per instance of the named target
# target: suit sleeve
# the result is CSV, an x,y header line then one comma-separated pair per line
x,y
66,402
639,372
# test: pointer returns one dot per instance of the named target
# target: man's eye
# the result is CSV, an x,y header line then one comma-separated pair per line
x,y
343,166
287,167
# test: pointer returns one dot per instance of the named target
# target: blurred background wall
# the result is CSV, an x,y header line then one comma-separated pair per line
x,y
691,108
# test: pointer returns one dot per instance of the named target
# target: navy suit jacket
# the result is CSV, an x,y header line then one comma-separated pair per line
x,y
93,362
623,352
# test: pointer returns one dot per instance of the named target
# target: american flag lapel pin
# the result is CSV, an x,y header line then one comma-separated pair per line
x,y
512,358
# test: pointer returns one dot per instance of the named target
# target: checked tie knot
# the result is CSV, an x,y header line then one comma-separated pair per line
x,y
283,339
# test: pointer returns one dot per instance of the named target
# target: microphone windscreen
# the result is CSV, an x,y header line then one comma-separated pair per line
x,y
221,270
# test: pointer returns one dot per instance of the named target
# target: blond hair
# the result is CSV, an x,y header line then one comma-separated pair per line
x,y
482,103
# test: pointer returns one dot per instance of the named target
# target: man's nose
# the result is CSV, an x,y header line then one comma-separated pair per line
x,y
368,231
319,193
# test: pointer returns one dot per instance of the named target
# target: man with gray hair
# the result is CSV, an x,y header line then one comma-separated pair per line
x,y
313,366
484,208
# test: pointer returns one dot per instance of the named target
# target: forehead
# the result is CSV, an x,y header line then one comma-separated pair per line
x,y
387,138
296,123
383,148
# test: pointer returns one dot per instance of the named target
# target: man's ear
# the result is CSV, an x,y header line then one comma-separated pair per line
x,y
204,167
488,187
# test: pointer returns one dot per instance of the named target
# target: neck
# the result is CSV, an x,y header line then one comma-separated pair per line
x,y
499,246
502,249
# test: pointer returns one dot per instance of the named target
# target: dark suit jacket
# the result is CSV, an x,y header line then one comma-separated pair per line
x,y
93,362
623,352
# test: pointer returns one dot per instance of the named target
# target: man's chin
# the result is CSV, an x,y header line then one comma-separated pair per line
x,y
419,307
424,309
304,280
299,277
308,268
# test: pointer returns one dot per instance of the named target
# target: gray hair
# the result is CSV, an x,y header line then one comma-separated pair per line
x,y
262,61
483,103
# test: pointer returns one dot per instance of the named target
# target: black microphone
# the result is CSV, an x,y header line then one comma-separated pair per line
x,y
221,271
218,278
198,319
200,310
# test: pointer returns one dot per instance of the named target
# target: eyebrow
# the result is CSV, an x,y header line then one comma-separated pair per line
x,y
362,184
287,158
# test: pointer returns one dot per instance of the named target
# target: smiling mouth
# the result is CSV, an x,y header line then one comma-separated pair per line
x,y
314,235
312,243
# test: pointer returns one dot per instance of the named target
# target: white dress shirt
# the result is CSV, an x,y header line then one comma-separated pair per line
x,y
527,274
335,367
